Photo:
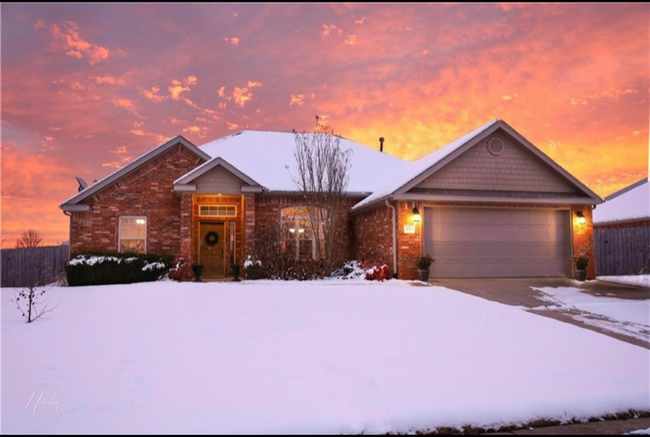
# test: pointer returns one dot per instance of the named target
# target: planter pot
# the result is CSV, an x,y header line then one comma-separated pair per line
x,y
235,271
197,269
581,275
423,275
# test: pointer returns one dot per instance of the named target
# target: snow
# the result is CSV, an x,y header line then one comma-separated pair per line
x,y
414,169
638,280
268,158
302,357
629,205
625,316
640,432
91,260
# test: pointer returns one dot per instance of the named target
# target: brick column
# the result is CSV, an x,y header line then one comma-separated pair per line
x,y
186,224
249,224
409,246
583,239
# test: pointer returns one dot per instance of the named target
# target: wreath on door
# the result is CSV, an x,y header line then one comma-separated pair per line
x,y
211,238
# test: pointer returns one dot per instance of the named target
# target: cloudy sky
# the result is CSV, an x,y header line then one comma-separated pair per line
x,y
87,88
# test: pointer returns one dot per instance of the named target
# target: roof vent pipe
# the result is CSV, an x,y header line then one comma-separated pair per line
x,y
381,144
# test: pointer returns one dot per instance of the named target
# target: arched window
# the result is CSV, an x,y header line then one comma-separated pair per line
x,y
302,230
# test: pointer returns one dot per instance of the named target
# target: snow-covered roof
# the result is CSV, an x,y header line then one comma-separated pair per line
x,y
630,203
415,168
268,158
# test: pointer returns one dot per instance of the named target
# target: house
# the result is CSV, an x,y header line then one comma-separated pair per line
x,y
622,231
489,204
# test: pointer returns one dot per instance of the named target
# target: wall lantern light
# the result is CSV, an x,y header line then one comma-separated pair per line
x,y
416,215
581,218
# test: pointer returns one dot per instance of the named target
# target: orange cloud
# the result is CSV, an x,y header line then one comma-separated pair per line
x,y
152,94
67,33
234,41
297,99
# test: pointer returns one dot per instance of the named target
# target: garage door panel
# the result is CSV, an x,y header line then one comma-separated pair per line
x,y
491,242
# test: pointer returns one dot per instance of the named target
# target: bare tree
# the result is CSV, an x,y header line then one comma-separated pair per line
x,y
29,302
323,173
28,239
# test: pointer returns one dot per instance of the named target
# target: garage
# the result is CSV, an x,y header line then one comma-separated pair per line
x,y
497,242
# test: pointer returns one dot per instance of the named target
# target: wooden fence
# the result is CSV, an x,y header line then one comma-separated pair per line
x,y
22,267
622,251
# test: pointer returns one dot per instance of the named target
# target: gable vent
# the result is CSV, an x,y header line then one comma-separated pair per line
x,y
496,146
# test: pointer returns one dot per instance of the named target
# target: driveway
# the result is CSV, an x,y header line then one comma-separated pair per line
x,y
524,292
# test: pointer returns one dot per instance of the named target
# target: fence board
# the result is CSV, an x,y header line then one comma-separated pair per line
x,y
22,267
622,251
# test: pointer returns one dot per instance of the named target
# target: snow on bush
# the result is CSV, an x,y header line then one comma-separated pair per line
x,y
367,270
153,266
115,268
250,262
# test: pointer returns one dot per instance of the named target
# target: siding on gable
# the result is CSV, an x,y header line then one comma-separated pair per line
x,y
516,169
218,181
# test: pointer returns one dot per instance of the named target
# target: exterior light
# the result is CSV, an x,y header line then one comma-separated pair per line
x,y
140,221
581,218
301,231
292,230
416,215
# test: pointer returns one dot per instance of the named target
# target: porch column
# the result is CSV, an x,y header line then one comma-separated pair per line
x,y
186,224
249,224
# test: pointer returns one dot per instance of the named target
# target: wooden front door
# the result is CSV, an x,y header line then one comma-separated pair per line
x,y
211,249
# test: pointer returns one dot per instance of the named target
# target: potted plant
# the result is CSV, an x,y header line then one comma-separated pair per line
x,y
581,267
424,264
197,269
236,269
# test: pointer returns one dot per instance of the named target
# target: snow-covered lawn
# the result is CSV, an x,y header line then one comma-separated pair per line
x,y
638,280
324,357
624,316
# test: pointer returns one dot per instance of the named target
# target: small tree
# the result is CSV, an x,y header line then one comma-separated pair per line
x,y
29,239
29,301
323,173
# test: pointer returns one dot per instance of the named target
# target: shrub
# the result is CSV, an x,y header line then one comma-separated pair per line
x,y
582,262
181,270
103,268
376,272
424,262
349,270
253,268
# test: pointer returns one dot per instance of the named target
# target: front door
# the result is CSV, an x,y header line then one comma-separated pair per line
x,y
211,249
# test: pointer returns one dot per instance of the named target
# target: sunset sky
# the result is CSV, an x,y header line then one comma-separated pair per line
x,y
87,88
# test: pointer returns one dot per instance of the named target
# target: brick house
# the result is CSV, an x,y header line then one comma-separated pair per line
x,y
489,204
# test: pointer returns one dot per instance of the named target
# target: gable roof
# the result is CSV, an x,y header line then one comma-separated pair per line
x,y
630,203
74,202
419,170
209,165
268,158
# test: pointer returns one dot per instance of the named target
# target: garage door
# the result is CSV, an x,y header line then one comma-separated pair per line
x,y
496,243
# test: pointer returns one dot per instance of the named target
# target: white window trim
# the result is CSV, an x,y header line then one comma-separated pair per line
x,y
296,235
119,230
218,204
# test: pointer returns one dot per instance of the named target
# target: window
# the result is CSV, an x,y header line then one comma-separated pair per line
x,y
218,211
298,231
133,234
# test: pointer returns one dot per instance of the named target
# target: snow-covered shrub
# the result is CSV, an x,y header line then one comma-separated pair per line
x,y
253,268
376,272
350,270
115,268
181,269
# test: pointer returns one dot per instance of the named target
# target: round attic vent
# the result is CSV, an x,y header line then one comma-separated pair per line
x,y
496,146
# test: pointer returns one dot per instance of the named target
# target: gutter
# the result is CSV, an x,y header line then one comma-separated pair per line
x,y
392,207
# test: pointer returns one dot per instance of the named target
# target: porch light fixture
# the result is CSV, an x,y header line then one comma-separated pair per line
x,y
416,215
581,218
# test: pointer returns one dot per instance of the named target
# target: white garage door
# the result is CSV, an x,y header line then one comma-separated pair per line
x,y
496,242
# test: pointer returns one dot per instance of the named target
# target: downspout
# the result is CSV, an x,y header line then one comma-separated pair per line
x,y
388,204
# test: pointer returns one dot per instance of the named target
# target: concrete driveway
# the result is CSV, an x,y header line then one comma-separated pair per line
x,y
520,292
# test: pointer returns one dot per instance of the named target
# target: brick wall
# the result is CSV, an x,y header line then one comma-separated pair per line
x,y
146,191
373,233
583,238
